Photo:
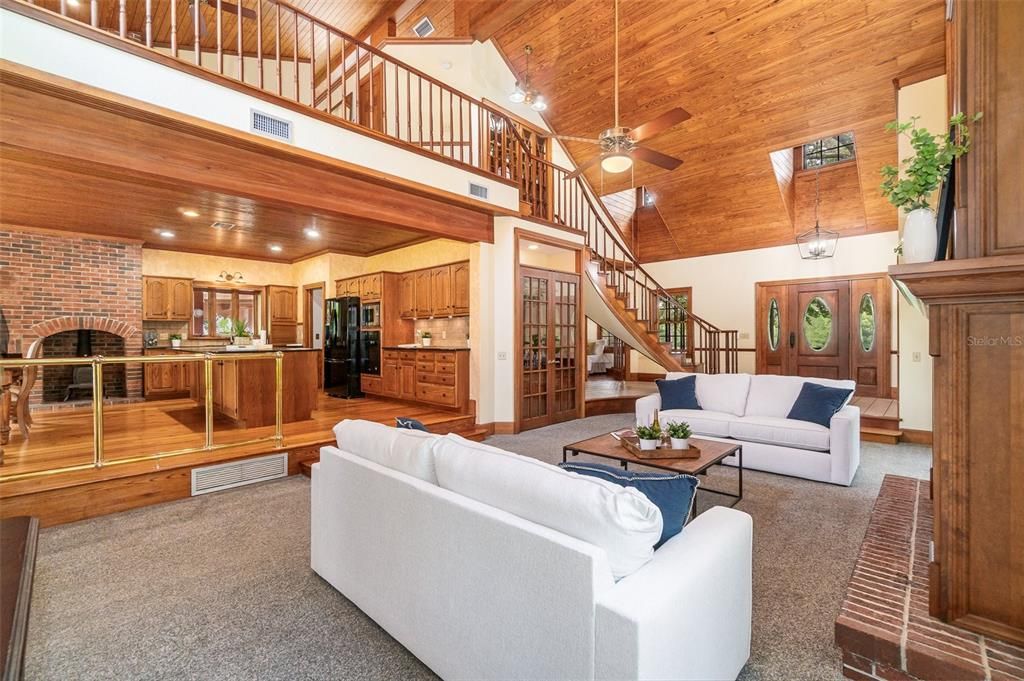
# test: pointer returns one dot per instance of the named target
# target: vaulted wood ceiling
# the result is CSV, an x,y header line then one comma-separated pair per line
x,y
756,76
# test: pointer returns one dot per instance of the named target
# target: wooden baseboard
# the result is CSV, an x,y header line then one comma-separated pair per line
x,y
917,437
502,427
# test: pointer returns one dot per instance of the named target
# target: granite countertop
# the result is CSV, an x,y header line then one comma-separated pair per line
x,y
438,348
221,350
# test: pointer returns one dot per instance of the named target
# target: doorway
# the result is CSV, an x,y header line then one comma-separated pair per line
x,y
837,328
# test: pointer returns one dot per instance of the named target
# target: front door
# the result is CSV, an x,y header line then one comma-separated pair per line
x,y
836,328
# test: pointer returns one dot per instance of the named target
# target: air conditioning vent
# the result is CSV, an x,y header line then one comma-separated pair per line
x,y
478,190
225,226
423,28
270,126
238,473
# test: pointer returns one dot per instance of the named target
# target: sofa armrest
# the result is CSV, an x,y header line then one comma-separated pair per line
x,y
687,613
647,407
844,444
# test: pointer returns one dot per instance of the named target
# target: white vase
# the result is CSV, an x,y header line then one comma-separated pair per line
x,y
425,342
648,445
920,239
175,342
680,443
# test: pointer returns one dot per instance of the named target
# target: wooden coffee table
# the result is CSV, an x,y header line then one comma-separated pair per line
x,y
712,453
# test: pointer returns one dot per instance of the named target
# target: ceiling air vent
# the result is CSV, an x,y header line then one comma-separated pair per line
x,y
226,226
270,126
478,190
238,473
423,28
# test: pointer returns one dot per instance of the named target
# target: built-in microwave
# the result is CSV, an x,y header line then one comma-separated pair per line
x,y
370,316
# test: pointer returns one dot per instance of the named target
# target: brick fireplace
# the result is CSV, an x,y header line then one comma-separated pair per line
x,y
55,285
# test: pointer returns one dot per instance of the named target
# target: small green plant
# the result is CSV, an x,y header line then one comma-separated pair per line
x,y
175,336
928,167
426,334
239,329
678,430
651,432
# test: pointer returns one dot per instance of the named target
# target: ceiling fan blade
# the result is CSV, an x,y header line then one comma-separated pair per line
x,y
656,157
658,125
583,166
232,8
574,138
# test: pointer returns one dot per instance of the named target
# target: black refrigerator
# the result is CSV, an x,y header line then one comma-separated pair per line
x,y
342,355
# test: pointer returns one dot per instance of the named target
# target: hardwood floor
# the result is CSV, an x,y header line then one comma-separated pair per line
x,y
611,396
64,438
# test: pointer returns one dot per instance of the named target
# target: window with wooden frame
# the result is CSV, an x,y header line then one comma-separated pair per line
x,y
675,327
828,151
214,311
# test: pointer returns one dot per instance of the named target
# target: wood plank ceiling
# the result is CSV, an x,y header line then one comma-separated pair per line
x,y
757,76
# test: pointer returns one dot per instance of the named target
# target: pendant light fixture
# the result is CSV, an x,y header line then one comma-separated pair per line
x,y
817,243
524,92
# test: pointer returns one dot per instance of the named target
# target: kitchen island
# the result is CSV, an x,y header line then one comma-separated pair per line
x,y
244,390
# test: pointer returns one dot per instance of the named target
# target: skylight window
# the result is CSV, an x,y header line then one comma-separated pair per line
x,y
829,150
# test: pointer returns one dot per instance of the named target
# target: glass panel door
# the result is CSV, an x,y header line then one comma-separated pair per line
x,y
534,409
566,366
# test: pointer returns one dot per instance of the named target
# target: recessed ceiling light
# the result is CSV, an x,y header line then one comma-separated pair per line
x,y
166,233
189,213
533,247
276,248
312,232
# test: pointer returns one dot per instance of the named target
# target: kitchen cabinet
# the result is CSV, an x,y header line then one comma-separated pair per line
x,y
348,288
439,377
407,295
424,303
441,291
166,299
370,287
164,379
460,288
282,314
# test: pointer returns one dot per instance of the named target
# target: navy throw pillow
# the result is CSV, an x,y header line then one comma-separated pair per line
x,y
678,393
818,403
411,424
672,493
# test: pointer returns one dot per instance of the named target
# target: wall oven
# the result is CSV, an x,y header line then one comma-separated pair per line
x,y
370,316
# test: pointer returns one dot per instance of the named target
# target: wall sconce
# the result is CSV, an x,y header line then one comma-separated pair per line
x,y
225,276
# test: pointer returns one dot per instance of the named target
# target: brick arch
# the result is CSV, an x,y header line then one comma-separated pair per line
x,y
59,324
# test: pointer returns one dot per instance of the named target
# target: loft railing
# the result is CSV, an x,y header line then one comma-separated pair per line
x,y
97,364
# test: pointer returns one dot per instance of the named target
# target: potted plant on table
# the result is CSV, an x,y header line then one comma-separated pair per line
x,y
425,339
175,340
679,434
240,333
649,436
922,174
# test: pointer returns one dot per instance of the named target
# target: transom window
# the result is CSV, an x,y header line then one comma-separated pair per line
x,y
215,310
829,150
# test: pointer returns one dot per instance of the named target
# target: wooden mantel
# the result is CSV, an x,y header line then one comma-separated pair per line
x,y
963,281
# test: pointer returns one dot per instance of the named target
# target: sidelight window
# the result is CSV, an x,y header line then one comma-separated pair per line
x,y
774,325
867,322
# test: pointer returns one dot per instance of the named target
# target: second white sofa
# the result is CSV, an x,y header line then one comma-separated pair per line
x,y
752,409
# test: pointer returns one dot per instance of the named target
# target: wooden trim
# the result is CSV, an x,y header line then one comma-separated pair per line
x,y
964,281
307,310
86,31
515,117
911,77
917,437
503,428
69,234
396,40
817,280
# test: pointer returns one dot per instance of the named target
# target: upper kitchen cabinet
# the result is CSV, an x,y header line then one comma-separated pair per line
x,y
370,287
460,288
441,291
282,313
407,295
166,299
348,288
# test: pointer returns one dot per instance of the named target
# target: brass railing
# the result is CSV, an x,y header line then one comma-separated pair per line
x,y
98,362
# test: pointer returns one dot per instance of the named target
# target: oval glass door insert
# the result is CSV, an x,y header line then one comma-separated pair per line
x,y
867,322
773,325
817,324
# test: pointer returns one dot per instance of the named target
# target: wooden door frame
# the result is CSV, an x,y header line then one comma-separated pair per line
x,y
518,236
882,330
307,310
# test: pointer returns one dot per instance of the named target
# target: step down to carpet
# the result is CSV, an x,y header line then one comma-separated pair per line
x,y
883,435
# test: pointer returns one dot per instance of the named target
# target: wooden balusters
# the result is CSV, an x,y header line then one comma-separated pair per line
x,y
122,19
149,23
94,13
259,43
220,45
312,64
295,51
174,28
238,41
277,45
330,74
63,8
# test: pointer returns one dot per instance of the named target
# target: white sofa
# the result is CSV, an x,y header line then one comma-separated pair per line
x,y
477,592
752,409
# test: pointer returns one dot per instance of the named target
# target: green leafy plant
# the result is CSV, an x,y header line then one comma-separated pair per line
x,y
651,432
239,329
175,336
678,430
426,334
928,167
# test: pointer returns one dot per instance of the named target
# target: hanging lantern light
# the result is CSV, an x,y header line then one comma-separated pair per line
x,y
817,243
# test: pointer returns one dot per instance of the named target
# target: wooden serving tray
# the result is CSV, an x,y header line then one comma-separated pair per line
x,y
632,445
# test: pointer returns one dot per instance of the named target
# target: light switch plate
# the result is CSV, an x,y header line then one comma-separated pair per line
x,y
502,355
916,357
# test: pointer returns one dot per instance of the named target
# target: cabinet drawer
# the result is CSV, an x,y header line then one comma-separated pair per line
x,y
442,368
425,356
436,394
427,367
436,379
444,357
391,354
371,384
407,356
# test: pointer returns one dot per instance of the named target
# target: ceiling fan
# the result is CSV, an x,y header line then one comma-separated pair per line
x,y
226,7
620,145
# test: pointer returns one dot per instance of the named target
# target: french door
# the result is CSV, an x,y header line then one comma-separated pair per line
x,y
550,378
835,328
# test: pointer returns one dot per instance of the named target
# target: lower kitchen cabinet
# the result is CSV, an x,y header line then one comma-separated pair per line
x,y
164,379
439,377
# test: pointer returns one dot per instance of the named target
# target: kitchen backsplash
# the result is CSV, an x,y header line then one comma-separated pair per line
x,y
446,332
163,331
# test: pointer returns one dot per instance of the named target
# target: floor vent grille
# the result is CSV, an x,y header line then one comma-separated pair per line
x,y
270,126
238,473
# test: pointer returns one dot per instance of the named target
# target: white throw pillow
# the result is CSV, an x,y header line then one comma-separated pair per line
x,y
620,520
401,449
774,395
723,392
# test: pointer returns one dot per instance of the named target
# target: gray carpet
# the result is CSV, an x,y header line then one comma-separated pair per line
x,y
219,587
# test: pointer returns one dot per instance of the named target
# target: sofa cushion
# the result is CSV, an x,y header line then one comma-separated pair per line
x,y
678,393
672,492
775,395
410,424
620,520
778,431
401,449
702,421
723,392
819,403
